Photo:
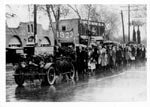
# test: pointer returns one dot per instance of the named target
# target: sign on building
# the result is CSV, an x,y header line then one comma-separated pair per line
x,y
44,50
66,36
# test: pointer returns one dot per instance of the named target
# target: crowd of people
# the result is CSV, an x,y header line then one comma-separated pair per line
x,y
95,57
113,55
103,56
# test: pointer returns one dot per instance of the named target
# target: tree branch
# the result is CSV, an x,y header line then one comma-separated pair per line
x,y
75,10
50,19
52,8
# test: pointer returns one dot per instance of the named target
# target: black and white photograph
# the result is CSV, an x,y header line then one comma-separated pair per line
x,y
76,52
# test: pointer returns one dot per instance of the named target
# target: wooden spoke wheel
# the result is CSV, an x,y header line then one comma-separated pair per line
x,y
51,76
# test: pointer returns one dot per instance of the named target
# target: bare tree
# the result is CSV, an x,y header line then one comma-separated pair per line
x,y
75,9
91,12
50,19
88,10
8,13
56,12
110,19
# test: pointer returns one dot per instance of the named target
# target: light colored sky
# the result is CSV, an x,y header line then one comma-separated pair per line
x,y
23,14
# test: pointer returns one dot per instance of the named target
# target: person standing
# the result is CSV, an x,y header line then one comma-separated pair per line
x,y
114,55
99,56
104,58
79,60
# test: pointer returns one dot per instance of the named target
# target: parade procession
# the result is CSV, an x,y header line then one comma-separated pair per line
x,y
73,53
71,49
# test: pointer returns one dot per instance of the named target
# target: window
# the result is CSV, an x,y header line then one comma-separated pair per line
x,y
63,28
32,27
28,28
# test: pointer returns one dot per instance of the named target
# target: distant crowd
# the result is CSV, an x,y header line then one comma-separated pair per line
x,y
103,56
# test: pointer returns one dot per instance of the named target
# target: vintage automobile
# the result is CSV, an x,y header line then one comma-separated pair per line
x,y
42,67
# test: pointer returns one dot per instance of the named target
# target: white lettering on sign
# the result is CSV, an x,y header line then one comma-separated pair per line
x,y
66,35
57,34
61,34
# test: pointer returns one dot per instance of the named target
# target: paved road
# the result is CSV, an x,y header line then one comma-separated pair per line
x,y
127,85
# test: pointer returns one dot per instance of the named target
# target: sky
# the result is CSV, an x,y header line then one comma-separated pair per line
x,y
24,14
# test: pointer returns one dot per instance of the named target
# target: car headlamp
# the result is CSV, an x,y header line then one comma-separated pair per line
x,y
41,64
23,64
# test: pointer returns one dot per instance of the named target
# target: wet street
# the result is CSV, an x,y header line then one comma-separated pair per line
x,y
128,84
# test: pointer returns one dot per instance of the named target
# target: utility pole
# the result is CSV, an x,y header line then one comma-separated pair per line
x,y
57,24
35,23
128,22
129,10
138,35
123,26
134,34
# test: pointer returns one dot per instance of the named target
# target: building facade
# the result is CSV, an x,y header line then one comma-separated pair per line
x,y
75,31
23,35
71,31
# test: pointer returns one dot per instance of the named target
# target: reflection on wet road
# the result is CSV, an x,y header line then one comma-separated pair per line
x,y
129,85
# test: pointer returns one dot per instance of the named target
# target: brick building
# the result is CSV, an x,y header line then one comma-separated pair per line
x,y
23,36
75,31
71,31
